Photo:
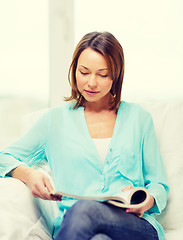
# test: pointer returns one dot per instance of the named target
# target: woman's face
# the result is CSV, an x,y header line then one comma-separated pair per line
x,y
92,77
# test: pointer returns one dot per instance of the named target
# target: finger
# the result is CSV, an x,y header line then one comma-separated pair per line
x,y
45,189
127,188
134,211
41,191
38,195
56,197
130,210
48,197
48,185
35,195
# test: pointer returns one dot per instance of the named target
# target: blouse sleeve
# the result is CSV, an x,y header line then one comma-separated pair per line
x,y
153,169
27,150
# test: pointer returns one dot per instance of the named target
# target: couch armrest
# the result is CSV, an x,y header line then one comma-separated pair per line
x,y
21,214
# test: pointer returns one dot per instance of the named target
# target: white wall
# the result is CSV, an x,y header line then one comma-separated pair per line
x,y
24,63
61,48
24,48
151,33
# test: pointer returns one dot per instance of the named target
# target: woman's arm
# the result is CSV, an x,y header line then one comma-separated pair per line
x,y
17,159
38,183
153,172
153,169
28,149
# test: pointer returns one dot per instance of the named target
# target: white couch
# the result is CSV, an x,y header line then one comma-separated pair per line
x,y
22,216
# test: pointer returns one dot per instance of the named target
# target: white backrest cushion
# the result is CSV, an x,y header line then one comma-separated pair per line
x,y
20,218
168,121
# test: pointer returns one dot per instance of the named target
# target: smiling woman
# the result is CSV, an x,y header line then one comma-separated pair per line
x,y
66,136
92,78
107,58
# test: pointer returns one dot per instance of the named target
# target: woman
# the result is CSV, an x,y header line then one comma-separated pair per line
x,y
95,145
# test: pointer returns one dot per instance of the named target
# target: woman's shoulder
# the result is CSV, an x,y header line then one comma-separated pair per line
x,y
134,109
64,108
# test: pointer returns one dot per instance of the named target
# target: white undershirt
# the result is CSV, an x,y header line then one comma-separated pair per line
x,y
102,145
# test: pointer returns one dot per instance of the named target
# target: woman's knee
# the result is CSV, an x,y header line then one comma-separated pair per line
x,y
82,207
81,213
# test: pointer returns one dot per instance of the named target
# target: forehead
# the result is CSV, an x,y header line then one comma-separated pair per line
x,y
91,58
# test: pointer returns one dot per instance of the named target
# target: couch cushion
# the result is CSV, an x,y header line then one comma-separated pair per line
x,y
20,218
168,121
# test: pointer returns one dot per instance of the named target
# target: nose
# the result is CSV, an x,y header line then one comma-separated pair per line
x,y
92,81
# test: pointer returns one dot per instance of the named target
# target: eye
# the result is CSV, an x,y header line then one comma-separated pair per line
x,y
103,75
83,73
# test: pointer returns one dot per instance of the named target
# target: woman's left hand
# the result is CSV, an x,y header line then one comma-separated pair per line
x,y
139,211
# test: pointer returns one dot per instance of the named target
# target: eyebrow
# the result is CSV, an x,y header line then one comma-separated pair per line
x,y
102,69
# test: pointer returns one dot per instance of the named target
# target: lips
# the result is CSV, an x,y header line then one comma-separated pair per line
x,y
91,92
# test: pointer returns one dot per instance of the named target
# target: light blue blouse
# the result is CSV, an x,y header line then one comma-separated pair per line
x,y
62,137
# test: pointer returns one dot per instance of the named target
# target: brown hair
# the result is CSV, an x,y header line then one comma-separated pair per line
x,y
107,45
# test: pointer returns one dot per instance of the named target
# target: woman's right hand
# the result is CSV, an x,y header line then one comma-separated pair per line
x,y
38,183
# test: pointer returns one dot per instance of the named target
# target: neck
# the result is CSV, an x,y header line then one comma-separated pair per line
x,y
103,104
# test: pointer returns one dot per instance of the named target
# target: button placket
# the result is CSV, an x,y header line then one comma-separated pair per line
x,y
104,170
103,180
108,157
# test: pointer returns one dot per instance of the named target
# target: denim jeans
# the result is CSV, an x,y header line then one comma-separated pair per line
x,y
102,221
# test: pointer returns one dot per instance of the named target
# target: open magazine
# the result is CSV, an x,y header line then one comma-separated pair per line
x,y
133,198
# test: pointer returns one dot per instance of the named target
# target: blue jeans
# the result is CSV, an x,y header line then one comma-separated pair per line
x,y
102,221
